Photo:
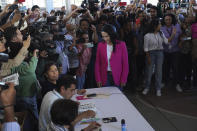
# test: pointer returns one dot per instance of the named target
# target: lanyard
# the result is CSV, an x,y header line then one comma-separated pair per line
x,y
169,31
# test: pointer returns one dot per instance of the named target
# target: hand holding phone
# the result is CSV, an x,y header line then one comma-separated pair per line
x,y
89,45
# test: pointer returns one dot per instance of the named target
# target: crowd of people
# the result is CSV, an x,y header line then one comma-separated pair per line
x,y
60,53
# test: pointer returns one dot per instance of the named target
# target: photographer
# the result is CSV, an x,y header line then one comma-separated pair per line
x,y
6,66
47,53
73,17
27,89
84,25
84,58
35,15
86,14
93,37
59,42
7,98
71,49
5,11
5,22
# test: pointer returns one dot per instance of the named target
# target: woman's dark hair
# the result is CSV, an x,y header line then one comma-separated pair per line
x,y
48,66
174,21
65,81
153,25
63,112
112,34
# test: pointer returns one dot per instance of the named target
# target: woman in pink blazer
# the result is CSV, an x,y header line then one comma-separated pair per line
x,y
111,67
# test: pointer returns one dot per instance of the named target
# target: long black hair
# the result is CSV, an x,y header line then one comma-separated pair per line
x,y
153,26
109,29
174,20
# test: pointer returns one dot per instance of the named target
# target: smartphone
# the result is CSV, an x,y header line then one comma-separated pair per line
x,y
187,38
109,119
89,45
23,8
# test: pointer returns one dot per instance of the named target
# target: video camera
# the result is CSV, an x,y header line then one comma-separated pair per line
x,y
91,4
39,32
59,13
82,11
49,46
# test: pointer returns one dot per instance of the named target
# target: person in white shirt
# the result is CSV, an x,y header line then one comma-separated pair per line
x,y
153,47
63,113
65,90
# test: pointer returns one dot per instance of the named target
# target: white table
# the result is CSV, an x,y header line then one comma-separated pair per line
x,y
116,105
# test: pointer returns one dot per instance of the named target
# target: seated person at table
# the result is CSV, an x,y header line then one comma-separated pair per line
x,y
63,113
51,75
65,90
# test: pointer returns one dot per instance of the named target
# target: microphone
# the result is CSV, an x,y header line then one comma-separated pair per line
x,y
123,125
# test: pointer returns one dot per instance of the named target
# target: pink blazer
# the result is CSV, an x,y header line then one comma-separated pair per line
x,y
119,63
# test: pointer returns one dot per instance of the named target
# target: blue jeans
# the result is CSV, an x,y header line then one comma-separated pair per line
x,y
156,65
27,103
80,81
110,81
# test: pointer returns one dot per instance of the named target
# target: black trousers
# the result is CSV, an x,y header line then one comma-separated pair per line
x,y
171,67
195,72
185,67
